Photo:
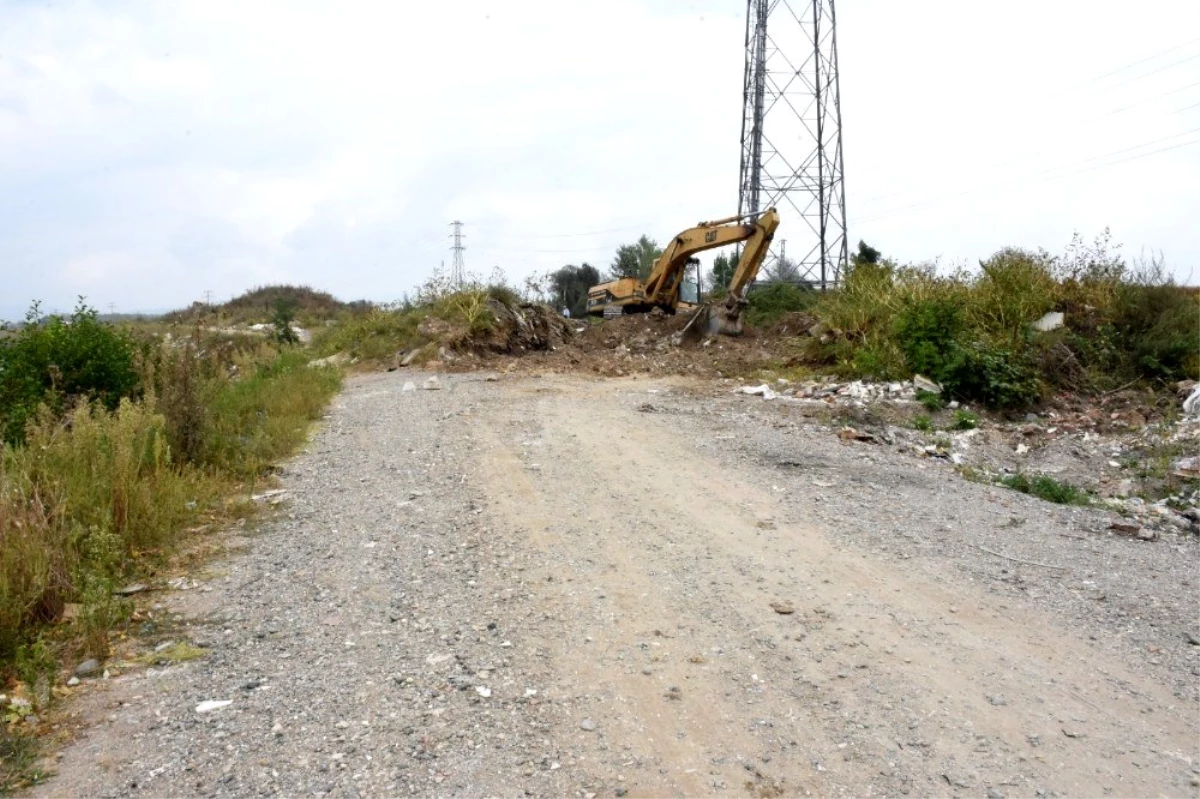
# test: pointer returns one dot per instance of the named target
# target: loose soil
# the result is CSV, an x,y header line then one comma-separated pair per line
x,y
561,585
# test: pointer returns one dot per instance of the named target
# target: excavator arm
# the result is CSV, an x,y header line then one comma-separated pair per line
x,y
661,288
666,277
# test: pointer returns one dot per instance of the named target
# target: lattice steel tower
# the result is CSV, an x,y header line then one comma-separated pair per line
x,y
458,269
792,131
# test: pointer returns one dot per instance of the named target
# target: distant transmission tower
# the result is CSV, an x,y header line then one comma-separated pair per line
x,y
457,270
792,129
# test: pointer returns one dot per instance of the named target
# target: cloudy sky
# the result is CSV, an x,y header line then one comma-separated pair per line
x,y
152,150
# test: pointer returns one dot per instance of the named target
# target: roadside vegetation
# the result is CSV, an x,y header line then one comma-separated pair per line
x,y
115,444
976,333
442,314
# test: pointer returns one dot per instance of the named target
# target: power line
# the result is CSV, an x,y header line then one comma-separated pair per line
x,y
1139,62
585,233
932,203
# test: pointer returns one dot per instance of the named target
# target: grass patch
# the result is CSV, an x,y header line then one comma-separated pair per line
x,y
18,757
965,420
1047,488
97,491
922,422
181,652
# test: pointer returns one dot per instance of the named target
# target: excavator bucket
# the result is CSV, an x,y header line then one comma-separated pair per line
x,y
724,318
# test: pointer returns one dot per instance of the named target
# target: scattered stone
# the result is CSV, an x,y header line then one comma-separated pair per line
x,y
409,357
432,384
1191,405
992,793
783,608
131,589
763,391
1187,468
408,386
483,691
587,724
1125,528
87,668
337,359
1071,732
1147,534
209,705
1192,638
850,434
73,682
674,693
998,700
922,383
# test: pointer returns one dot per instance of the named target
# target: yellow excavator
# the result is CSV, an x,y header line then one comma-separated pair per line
x,y
661,289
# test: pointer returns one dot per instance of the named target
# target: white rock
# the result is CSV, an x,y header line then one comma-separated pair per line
x,y
432,384
408,386
1051,321
763,391
1191,405
922,383
483,691
209,705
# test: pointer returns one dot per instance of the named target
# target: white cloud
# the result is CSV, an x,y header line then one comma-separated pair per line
x,y
152,151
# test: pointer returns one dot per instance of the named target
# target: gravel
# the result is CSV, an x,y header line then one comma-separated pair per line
x,y
537,587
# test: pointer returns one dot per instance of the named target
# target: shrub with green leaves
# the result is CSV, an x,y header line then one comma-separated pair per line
x,y
60,361
769,304
1047,488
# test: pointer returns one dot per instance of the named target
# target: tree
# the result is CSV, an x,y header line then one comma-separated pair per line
x,y
783,270
722,272
866,254
569,287
635,260
281,321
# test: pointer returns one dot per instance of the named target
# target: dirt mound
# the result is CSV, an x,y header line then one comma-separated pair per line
x,y
520,328
649,344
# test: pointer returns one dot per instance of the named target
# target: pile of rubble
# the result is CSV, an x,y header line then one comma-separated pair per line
x,y
1129,454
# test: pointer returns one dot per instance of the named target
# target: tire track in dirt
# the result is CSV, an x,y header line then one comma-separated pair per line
x,y
883,680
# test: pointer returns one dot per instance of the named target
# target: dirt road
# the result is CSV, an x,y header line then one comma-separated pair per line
x,y
566,587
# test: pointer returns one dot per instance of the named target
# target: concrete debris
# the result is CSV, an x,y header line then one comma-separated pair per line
x,y
922,383
268,495
850,434
1191,405
1187,468
410,356
337,359
763,391
1051,321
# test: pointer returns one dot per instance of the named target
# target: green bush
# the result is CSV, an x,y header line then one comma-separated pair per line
x,y
1046,488
993,376
769,304
922,422
927,332
1159,326
59,362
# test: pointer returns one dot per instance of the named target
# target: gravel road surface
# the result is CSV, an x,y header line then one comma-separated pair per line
x,y
558,586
